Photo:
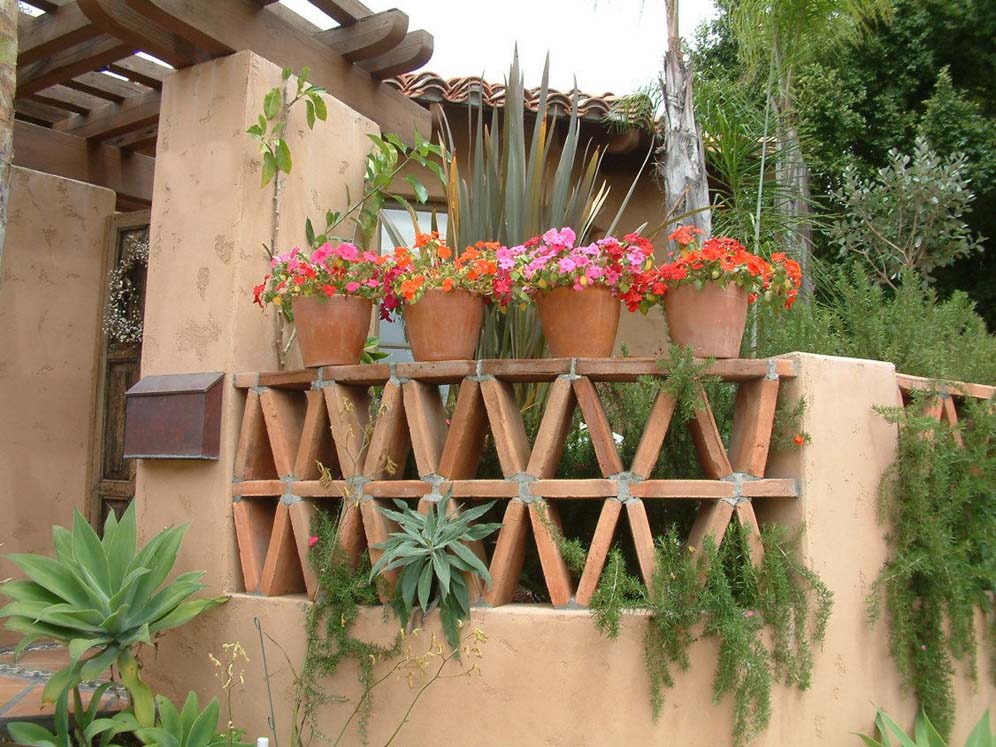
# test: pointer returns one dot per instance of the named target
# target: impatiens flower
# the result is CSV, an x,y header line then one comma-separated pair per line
x,y
799,439
352,287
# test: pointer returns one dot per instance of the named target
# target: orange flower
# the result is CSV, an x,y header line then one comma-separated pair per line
x,y
410,287
447,284
799,439
444,252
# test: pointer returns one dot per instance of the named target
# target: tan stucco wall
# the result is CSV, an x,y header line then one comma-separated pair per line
x,y
210,219
50,307
549,678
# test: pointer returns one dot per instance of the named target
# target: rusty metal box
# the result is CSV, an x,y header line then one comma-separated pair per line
x,y
176,416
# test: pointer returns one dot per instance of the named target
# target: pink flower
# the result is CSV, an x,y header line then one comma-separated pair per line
x,y
372,283
566,265
505,259
352,287
312,541
564,238
348,252
321,254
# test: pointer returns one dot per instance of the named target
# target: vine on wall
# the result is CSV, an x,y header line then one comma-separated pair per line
x,y
938,502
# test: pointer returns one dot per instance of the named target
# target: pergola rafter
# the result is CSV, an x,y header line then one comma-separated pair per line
x,y
79,71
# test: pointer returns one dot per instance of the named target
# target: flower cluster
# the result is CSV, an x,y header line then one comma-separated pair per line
x,y
330,270
721,260
552,260
432,265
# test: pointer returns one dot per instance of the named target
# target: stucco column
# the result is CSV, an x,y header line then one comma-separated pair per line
x,y
210,219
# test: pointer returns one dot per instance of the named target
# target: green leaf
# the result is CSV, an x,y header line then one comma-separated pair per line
x,y
286,73
271,103
23,732
309,114
886,726
421,193
95,666
476,564
440,563
53,576
981,735
205,726
269,168
59,683
425,586
304,74
283,157
255,131
184,613
321,111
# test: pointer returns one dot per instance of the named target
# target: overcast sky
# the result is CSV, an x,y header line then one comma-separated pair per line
x,y
613,46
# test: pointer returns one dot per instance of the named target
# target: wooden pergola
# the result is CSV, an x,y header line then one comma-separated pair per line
x,y
74,120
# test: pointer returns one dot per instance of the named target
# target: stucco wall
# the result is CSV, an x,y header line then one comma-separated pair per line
x,y
549,678
210,219
50,306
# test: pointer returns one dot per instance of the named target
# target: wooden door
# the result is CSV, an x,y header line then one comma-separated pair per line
x,y
113,483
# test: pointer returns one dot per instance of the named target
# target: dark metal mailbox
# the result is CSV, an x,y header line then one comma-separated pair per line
x,y
176,416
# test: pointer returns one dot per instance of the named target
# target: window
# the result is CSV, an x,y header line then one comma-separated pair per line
x,y
392,333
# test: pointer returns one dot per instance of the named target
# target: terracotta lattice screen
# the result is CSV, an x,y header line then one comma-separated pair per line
x,y
295,420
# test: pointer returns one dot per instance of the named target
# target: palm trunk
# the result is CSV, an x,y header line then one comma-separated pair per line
x,y
8,81
681,159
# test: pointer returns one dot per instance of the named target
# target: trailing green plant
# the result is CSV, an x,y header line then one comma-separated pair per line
x,y
937,502
343,587
925,734
189,726
433,552
102,597
734,601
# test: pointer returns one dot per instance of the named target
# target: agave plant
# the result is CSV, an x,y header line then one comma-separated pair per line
x,y
102,598
189,727
432,549
88,729
924,733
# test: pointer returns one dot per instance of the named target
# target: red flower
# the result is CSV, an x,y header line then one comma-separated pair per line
x,y
799,439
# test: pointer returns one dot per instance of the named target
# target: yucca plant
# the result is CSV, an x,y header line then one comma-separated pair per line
x,y
924,733
509,190
432,550
189,727
102,598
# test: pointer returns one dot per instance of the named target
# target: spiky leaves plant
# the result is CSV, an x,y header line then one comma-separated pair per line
x,y
432,551
89,728
189,727
925,734
102,598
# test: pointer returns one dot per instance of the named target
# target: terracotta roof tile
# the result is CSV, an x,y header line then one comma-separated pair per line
x,y
433,88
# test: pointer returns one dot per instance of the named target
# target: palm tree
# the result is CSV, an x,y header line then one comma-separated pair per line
x,y
8,82
781,36
681,166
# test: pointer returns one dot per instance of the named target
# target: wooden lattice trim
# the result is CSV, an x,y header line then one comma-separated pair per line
x,y
908,384
296,420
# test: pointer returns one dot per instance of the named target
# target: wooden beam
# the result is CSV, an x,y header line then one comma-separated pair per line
x,y
117,17
140,70
74,102
105,87
53,32
134,113
242,25
140,140
54,152
343,12
69,63
368,37
35,111
46,5
411,54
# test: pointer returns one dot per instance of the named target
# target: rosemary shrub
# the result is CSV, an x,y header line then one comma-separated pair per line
x,y
938,502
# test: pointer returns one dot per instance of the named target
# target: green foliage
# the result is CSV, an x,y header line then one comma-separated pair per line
x,y
508,188
938,503
84,728
910,217
372,352
855,317
102,596
617,590
189,727
721,589
342,588
432,551
270,135
924,733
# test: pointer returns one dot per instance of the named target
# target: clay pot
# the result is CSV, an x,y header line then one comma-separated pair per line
x,y
579,324
331,331
711,321
444,325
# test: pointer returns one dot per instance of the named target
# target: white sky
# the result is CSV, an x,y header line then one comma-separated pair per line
x,y
611,46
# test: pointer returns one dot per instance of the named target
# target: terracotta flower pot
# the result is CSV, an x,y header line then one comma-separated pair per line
x,y
711,321
444,325
331,331
579,324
